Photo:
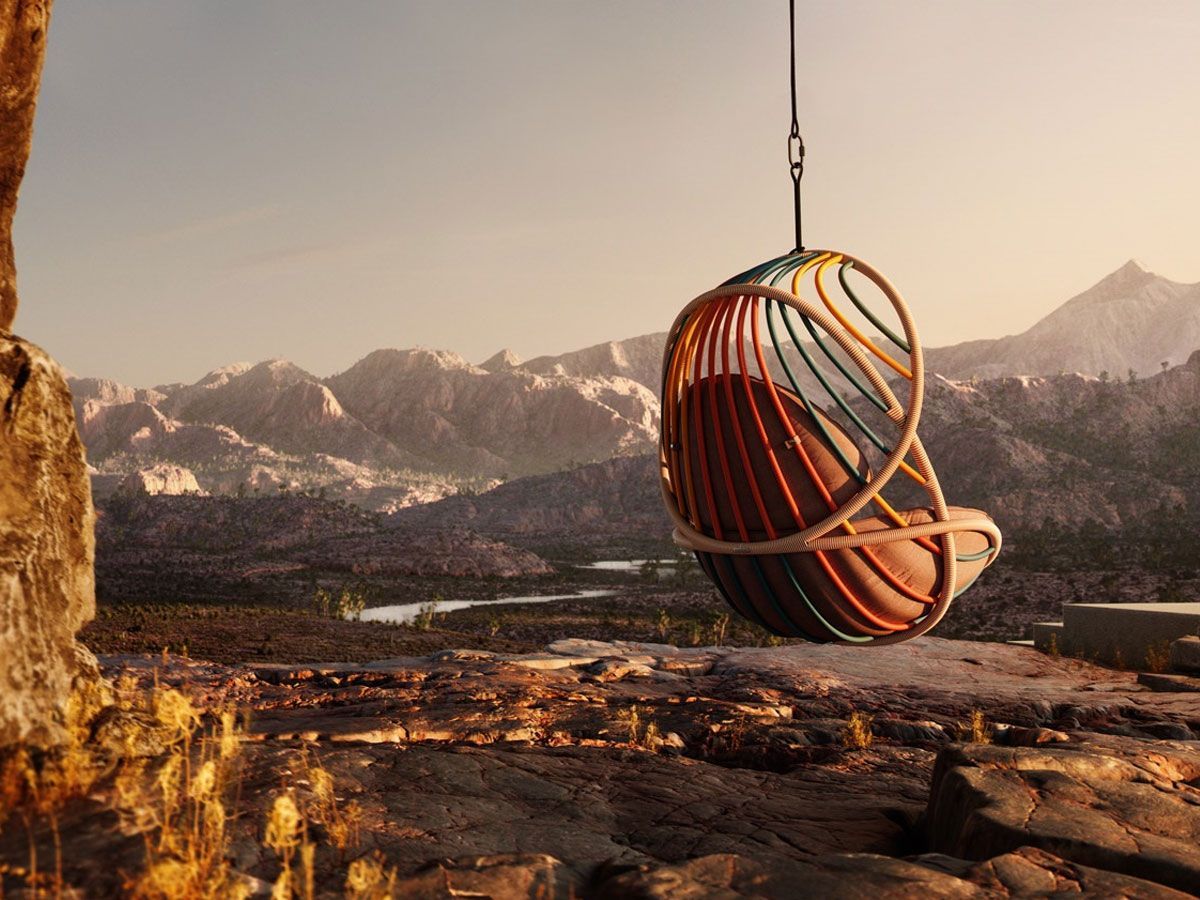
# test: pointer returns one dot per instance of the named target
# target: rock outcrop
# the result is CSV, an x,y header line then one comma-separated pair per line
x,y
161,479
47,591
46,546
1115,802
23,25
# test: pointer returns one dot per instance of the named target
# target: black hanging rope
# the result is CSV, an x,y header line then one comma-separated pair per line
x,y
795,142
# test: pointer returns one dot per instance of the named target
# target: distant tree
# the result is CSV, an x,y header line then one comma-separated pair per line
x,y
1165,363
649,570
240,490
1132,376
1104,376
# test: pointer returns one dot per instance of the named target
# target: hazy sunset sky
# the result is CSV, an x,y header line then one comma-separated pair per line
x,y
221,180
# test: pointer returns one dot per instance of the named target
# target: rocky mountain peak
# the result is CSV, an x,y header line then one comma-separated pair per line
x,y
1131,280
222,375
413,359
275,372
501,362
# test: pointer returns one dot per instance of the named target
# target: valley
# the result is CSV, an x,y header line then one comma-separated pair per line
x,y
415,478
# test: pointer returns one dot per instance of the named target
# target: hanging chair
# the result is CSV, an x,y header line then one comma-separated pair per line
x,y
774,478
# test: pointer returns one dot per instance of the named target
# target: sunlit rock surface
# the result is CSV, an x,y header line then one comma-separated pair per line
x,y
47,591
596,769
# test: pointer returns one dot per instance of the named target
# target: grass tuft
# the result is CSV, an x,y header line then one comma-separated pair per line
x,y
857,734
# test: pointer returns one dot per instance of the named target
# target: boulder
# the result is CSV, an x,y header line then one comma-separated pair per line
x,y
47,590
1115,803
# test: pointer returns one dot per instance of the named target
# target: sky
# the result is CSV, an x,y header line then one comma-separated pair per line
x,y
223,180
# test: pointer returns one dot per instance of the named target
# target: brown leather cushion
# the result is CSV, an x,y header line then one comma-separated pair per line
x,y
768,585
714,393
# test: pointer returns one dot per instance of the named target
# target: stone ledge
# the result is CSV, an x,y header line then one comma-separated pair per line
x,y
1167,683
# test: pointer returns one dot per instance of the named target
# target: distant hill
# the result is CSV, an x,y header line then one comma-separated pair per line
x,y
639,359
1130,320
615,497
274,549
460,418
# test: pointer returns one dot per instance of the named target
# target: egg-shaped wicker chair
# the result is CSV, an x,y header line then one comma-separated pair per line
x,y
774,406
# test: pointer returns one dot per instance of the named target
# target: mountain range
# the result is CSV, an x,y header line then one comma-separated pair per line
x,y
1070,449
401,427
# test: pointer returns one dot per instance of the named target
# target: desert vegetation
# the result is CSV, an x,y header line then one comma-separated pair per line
x,y
172,777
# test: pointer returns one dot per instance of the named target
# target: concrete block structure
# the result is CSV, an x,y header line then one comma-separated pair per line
x,y
1128,635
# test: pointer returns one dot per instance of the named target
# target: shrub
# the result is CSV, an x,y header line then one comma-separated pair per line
x,y
1158,656
346,604
424,618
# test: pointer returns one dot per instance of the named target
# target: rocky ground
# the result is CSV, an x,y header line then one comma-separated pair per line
x,y
591,769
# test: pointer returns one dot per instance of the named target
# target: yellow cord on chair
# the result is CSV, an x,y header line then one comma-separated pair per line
x,y
846,323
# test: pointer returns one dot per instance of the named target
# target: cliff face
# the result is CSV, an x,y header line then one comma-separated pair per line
x,y
46,545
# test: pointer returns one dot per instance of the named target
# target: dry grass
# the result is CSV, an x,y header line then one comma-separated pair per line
x,y
37,791
643,732
341,823
1158,657
857,734
183,804
975,730
368,878
182,801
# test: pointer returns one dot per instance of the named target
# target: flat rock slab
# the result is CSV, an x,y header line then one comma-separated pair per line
x,y
586,806
549,661
1170,684
1030,872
